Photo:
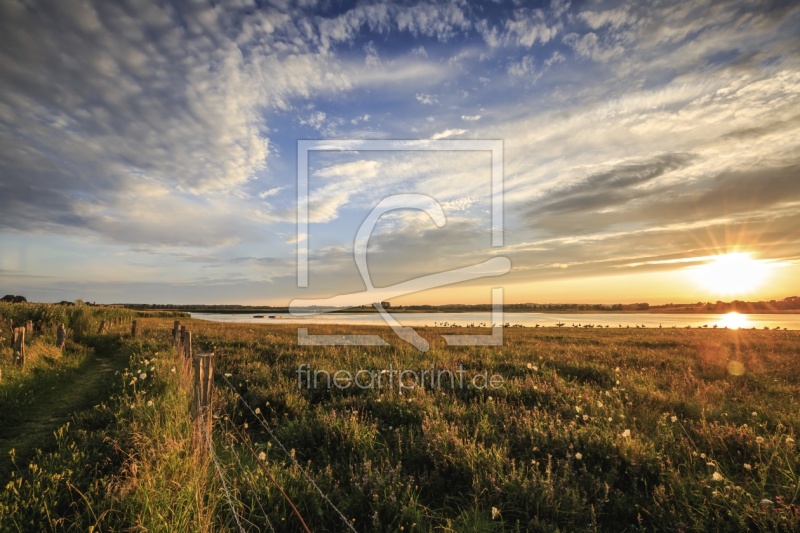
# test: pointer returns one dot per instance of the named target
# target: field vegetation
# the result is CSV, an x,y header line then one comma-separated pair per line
x,y
591,430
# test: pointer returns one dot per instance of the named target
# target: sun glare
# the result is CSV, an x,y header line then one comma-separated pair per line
x,y
734,321
731,274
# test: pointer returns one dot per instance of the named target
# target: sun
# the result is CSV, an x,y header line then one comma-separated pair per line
x,y
731,274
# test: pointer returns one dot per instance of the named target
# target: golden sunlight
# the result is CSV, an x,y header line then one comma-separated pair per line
x,y
731,274
734,320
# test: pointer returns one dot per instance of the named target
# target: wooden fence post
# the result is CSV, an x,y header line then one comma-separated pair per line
x,y
29,327
203,385
175,328
102,327
19,347
133,329
14,338
187,344
61,337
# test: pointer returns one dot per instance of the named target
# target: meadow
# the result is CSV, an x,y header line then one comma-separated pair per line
x,y
590,430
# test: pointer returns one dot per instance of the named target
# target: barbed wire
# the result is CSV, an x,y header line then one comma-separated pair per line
x,y
272,435
255,495
221,475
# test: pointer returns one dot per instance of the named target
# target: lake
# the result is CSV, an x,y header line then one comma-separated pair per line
x,y
612,320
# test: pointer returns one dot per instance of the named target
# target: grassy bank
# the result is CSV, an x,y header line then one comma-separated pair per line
x,y
592,430
609,430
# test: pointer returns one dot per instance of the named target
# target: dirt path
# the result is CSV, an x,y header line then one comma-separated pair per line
x,y
75,390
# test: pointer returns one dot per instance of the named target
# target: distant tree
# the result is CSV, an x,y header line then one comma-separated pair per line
x,y
7,298
19,299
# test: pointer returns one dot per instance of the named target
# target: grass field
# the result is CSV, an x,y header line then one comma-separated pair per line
x,y
610,430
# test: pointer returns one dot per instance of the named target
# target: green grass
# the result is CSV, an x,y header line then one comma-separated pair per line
x,y
611,430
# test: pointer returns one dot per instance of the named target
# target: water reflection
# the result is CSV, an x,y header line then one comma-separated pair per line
x,y
734,321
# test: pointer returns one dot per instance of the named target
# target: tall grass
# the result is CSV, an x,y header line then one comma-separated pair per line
x,y
613,430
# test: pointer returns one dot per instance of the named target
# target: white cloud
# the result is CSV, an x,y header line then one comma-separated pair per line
x,y
470,118
448,133
427,99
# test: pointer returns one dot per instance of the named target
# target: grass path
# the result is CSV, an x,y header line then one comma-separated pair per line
x,y
54,398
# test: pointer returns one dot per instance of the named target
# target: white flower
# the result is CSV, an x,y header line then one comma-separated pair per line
x,y
172,369
674,418
227,375
579,456
702,456
262,456
495,513
616,369
754,413
489,398
599,404
530,366
626,434
789,440
149,403
585,418
133,381
258,410
760,440
578,409
766,502
717,477
142,376
748,467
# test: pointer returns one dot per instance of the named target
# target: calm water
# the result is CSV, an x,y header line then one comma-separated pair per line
x,y
731,320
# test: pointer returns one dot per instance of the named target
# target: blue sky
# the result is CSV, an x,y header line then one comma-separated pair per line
x,y
148,149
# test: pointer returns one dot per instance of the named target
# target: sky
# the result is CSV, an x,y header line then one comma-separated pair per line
x,y
149,149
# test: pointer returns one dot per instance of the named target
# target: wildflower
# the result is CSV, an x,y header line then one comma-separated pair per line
x,y
262,456
759,440
142,376
246,425
754,413
585,418
610,418
133,381
626,434
578,409
172,370
674,418
490,399
765,502
149,403
717,477
258,410
789,440
495,513
702,456
227,374
579,456
530,366
616,369
599,404
748,467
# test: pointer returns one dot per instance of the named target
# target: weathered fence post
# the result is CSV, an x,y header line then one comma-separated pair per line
x,y
203,385
175,328
61,337
102,327
13,337
187,344
133,329
29,327
19,347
